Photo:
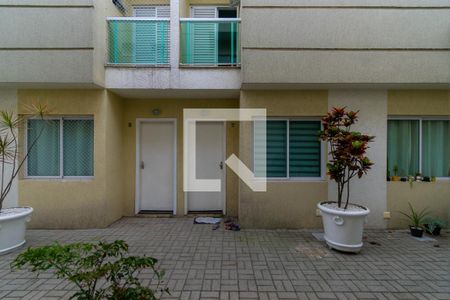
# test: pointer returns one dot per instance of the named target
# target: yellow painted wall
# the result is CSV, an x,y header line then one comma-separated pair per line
x,y
137,108
73,203
419,102
115,186
434,196
110,194
286,204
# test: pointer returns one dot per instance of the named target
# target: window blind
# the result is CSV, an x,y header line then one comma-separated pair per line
x,y
302,159
304,149
151,37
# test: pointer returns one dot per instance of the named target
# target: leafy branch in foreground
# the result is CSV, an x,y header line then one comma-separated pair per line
x,y
89,266
9,145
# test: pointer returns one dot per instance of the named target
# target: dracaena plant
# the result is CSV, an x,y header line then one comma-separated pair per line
x,y
347,150
10,156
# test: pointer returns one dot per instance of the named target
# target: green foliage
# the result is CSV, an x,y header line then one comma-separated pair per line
x,y
416,218
9,146
89,265
434,223
396,170
347,149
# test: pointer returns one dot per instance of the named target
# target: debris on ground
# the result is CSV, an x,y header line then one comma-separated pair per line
x,y
374,243
207,220
232,226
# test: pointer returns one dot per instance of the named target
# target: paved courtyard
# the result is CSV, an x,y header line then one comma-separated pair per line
x,y
202,263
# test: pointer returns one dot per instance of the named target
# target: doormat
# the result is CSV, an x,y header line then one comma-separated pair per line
x,y
423,239
207,220
319,236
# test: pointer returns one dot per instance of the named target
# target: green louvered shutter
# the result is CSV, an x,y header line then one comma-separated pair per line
x,y
151,37
204,36
276,149
304,149
145,44
162,42
204,43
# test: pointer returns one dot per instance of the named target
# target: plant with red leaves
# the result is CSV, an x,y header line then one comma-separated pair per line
x,y
347,149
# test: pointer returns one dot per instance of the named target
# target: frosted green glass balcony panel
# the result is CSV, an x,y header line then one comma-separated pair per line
x,y
210,42
138,41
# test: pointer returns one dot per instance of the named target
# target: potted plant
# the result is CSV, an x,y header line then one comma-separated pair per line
x,y
395,177
343,222
13,220
418,177
434,225
416,220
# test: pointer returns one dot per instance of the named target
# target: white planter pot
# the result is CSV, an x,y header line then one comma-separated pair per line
x,y
13,223
343,228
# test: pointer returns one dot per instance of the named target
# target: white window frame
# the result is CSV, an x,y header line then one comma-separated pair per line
x,y
421,119
192,7
61,148
323,153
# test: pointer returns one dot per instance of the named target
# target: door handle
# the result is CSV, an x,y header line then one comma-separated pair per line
x,y
221,165
142,165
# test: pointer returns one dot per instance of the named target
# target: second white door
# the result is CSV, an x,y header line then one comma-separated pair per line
x,y
210,154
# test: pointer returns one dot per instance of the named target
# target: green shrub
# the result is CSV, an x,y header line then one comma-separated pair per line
x,y
90,265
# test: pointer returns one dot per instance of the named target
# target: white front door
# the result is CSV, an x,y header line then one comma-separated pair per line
x,y
210,153
157,166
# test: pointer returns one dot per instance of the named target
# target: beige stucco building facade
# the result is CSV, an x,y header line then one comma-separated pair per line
x,y
389,59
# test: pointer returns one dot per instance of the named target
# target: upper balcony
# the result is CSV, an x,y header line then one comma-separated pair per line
x,y
210,42
145,42
138,42
165,54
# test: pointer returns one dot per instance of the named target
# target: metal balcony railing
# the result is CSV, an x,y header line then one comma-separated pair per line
x,y
138,41
210,42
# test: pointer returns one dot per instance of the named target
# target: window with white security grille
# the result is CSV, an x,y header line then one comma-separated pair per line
x,y
60,147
